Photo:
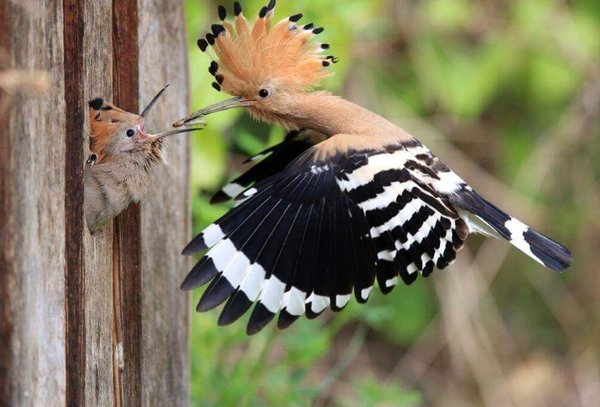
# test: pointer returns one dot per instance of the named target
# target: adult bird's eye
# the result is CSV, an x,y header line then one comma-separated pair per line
x,y
130,133
263,93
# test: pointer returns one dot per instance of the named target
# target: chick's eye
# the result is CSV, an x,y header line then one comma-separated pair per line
x,y
130,133
263,93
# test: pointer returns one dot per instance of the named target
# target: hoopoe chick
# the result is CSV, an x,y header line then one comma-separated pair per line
x,y
346,199
122,160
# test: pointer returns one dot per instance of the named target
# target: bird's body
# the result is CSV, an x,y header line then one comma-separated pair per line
x,y
122,160
111,185
348,198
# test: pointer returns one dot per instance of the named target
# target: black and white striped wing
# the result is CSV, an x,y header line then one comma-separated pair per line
x,y
309,237
269,162
413,227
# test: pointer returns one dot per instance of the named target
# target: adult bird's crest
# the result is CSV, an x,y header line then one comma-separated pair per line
x,y
251,59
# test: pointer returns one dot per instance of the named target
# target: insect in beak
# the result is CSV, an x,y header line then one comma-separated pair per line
x,y
217,107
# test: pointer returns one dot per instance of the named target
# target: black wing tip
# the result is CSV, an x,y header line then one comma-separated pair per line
x,y
259,319
310,314
386,270
201,274
359,298
408,278
237,305
285,319
190,251
196,246
219,197
385,290
218,291
428,269
334,306
187,285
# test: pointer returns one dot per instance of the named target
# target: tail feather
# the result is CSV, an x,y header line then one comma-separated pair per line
x,y
552,254
541,248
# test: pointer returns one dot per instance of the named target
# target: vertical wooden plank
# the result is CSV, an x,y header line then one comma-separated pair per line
x,y
6,269
72,312
99,310
126,245
33,209
165,210
74,272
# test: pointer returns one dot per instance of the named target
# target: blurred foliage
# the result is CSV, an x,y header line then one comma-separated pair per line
x,y
497,80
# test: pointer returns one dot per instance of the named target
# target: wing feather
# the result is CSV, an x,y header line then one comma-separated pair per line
x,y
308,235
274,160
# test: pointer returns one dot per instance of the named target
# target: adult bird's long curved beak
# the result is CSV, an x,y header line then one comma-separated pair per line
x,y
173,132
153,137
217,107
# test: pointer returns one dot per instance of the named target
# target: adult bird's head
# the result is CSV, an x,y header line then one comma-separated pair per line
x,y
266,68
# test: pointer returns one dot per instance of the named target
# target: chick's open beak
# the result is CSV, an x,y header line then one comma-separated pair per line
x,y
153,101
217,107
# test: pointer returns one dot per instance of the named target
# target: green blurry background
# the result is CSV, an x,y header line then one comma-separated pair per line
x,y
507,93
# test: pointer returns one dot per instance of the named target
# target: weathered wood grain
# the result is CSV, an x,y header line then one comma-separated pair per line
x,y
99,309
165,211
33,224
74,226
127,271
91,320
6,268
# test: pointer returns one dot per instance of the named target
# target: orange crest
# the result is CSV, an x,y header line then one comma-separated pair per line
x,y
105,120
247,57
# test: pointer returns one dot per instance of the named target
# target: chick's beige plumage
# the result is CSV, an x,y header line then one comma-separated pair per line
x,y
121,162
348,198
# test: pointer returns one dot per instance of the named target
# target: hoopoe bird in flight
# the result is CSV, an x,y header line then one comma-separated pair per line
x,y
347,199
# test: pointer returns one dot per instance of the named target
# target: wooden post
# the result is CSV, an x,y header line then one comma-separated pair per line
x,y
163,59
91,320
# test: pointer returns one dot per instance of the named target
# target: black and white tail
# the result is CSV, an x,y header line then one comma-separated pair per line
x,y
537,246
